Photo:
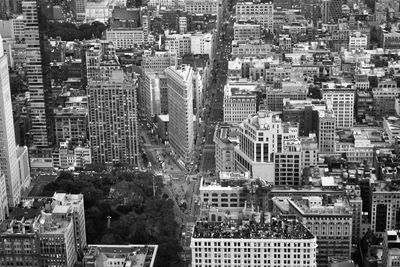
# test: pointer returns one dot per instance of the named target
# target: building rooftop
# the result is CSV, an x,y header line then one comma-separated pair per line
x,y
129,255
282,229
319,206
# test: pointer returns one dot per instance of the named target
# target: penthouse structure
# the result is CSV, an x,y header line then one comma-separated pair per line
x,y
258,11
330,223
261,136
256,243
120,255
225,139
240,100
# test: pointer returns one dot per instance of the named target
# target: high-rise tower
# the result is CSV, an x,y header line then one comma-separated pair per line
x,y
34,71
8,149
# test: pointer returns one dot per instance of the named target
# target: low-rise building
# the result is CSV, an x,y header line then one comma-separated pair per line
x,y
225,139
120,256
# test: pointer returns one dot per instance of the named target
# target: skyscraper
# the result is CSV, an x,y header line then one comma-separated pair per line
x,y
180,106
8,149
34,74
113,119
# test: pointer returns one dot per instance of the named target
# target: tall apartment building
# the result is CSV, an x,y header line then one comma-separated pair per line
x,y
259,11
38,102
326,132
246,31
75,203
240,100
342,98
288,167
330,223
225,139
261,243
8,147
113,119
261,136
180,107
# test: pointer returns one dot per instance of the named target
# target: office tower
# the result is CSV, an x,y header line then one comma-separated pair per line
x,y
264,242
342,98
384,99
259,11
8,147
240,100
113,119
75,201
180,106
38,104
326,131
330,220
23,167
261,137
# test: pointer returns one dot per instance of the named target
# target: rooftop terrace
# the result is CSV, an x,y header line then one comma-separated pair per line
x,y
282,229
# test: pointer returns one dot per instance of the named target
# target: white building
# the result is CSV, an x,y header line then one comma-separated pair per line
x,y
255,48
202,43
23,167
391,251
126,38
240,100
98,11
202,6
3,197
180,108
180,44
342,99
8,148
261,12
358,41
261,136
273,243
